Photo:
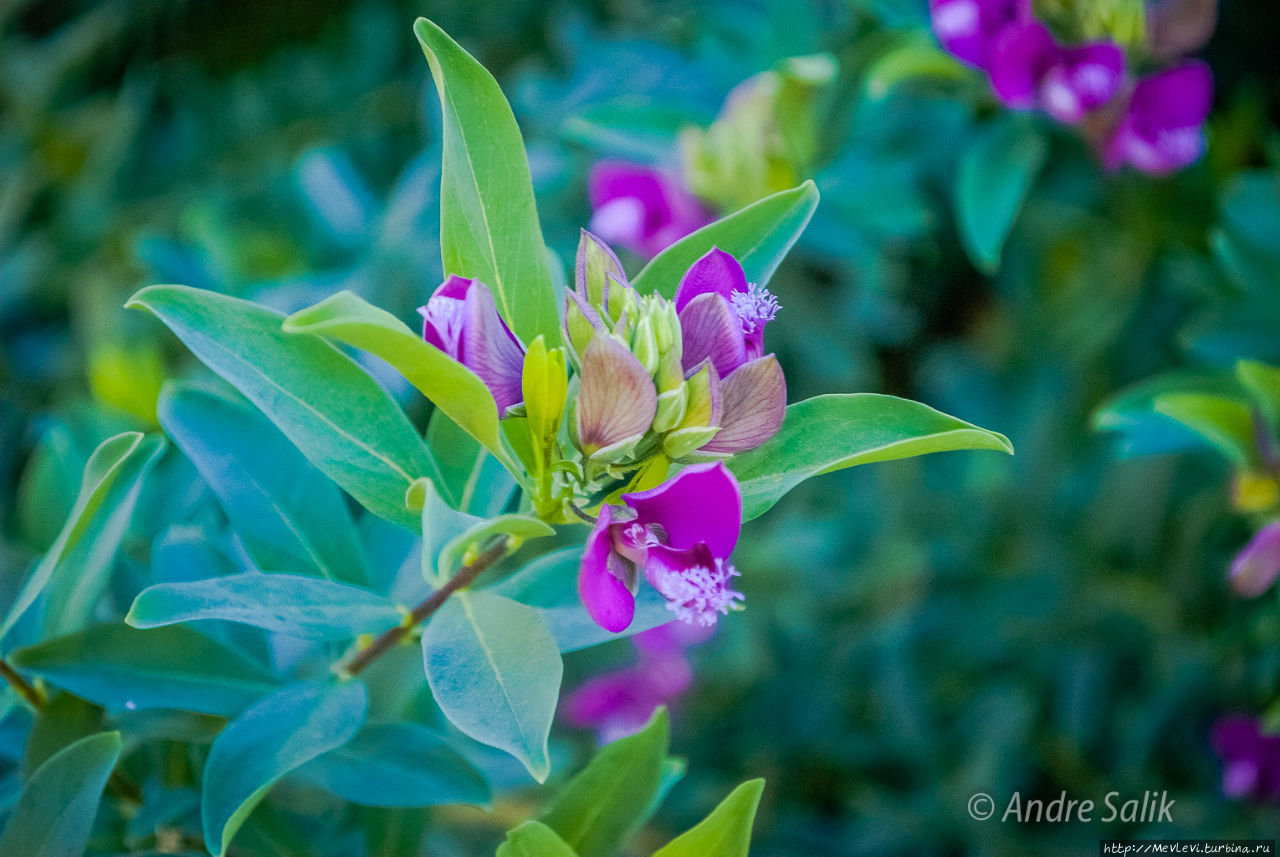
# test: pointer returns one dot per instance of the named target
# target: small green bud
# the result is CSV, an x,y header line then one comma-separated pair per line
x,y
671,405
701,405
595,263
683,441
644,345
545,390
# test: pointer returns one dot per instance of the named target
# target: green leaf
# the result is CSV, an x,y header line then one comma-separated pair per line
x,y
452,387
119,667
603,805
65,719
995,173
277,735
488,223
758,236
912,55
495,672
330,408
1263,383
398,765
550,585
1225,423
726,832
835,431
54,814
288,514
103,468
1132,411
471,479
290,604
533,839
521,528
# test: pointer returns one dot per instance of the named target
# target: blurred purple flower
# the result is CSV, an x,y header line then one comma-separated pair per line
x,y
462,320
970,29
1250,758
1160,130
1257,566
1030,70
681,534
641,208
620,703
722,321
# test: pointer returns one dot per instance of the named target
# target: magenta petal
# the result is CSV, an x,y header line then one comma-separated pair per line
x,y
1019,62
1257,566
969,29
616,396
1160,131
701,503
716,272
490,349
641,208
1086,78
754,404
608,600
711,330
443,316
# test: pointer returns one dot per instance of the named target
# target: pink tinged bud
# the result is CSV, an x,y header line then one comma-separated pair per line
x,y
707,330
595,264
608,599
616,397
1256,567
969,29
1160,131
710,330
754,404
1178,27
461,319
701,504
641,208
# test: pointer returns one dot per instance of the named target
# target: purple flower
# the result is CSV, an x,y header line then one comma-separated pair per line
x,y
1160,130
1250,758
970,29
1257,565
462,320
722,321
1029,70
641,208
680,534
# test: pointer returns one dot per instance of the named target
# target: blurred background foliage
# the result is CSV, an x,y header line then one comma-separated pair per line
x,y
916,631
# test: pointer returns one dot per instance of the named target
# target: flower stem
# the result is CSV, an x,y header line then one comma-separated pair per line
x,y
21,685
465,577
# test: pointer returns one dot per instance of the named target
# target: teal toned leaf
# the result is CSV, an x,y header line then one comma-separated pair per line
x,y
104,466
550,584
54,814
995,174
454,388
726,832
1132,412
471,479
1225,423
495,672
398,765
122,668
277,735
758,236
1263,383
288,514
913,55
488,223
602,806
330,408
520,528
290,604
533,839
832,432
63,720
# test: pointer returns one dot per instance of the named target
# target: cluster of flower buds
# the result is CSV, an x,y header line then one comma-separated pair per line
x,y
1152,123
658,382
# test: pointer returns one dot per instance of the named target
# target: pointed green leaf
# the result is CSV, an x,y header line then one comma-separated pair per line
x,y
330,408
995,174
604,804
471,479
758,236
488,223
290,604
452,387
277,735
533,839
495,672
54,814
288,514
1225,423
726,832
835,431
119,667
398,765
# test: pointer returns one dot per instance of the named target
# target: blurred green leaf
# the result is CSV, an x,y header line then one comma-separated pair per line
x,y
288,514
1263,383
603,805
995,174
835,431
54,814
533,839
275,736
758,236
488,222
63,720
119,667
913,55
398,765
452,387
329,407
726,832
289,604
1225,423
495,672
